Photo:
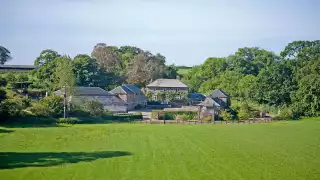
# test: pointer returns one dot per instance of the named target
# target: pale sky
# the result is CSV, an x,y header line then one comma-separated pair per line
x,y
185,31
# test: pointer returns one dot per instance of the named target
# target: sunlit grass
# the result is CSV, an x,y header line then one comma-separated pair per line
x,y
286,151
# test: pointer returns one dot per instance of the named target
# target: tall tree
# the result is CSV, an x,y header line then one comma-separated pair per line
x,y
45,57
64,76
251,60
138,72
275,84
89,73
4,55
301,49
43,75
108,57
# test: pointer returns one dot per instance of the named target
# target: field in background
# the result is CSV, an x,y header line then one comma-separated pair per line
x,y
182,71
284,150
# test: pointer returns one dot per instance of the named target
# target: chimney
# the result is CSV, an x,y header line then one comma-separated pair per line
x,y
178,77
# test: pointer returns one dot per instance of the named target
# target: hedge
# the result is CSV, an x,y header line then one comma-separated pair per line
x,y
171,115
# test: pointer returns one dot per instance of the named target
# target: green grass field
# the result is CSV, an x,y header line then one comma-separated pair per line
x,y
183,71
283,150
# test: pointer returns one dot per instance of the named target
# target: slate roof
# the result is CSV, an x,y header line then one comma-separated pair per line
x,y
22,67
126,88
197,96
210,102
87,91
132,88
218,93
167,83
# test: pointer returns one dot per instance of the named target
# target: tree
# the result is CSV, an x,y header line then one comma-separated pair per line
x,y
4,55
22,77
138,72
246,87
43,76
93,107
251,60
64,75
45,57
306,100
301,49
10,77
108,57
171,72
275,84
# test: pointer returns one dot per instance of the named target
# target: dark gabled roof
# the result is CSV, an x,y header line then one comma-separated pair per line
x,y
210,102
197,96
126,88
218,93
87,91
132,88
167,83
20,67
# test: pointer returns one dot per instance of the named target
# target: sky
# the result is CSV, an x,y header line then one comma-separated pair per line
x,y
186,32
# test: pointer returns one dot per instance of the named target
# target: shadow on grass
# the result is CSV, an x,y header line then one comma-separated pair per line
x,y
29,122
11,160
5,131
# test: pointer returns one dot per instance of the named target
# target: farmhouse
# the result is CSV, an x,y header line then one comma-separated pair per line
x,y
131,94
110,101
160,85
215,102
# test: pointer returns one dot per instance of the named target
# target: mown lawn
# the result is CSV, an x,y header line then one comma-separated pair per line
x,y
283,150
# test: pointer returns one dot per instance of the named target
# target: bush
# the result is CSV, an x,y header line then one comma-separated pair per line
x,y
181,117
226,116
50,106
285,114
93,107
207,119
11,107
69,120
244,114
3,94
170,115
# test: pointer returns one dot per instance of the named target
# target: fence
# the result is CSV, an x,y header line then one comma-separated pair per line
x,y
250,121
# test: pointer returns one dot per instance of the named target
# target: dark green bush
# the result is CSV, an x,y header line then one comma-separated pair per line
x,y
3,94
69,120
11,108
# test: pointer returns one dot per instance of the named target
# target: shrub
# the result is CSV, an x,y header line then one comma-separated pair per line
x,y
93,107
244,114
207,119
181,117
69,120
227,116
170,115
11,107
285,114
50,106
3,94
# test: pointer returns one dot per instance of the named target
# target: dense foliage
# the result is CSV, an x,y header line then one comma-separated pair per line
x,y
172,115
107,67
291,79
